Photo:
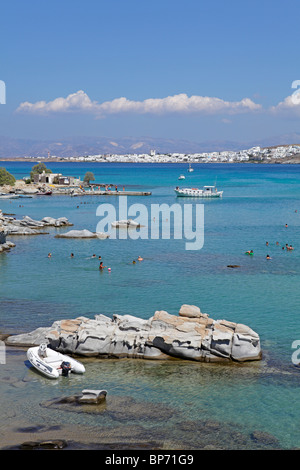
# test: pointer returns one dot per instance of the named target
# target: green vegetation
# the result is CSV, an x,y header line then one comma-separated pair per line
x,y
6,177
89,176
39,169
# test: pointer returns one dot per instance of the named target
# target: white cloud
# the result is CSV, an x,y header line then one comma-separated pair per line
x,y
78,101
181,103
290,105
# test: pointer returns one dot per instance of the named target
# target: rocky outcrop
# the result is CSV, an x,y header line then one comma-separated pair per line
x,y
29,226
125,224
191,335
5,245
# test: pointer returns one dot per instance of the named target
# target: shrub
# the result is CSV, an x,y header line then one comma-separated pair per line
x,y
6,177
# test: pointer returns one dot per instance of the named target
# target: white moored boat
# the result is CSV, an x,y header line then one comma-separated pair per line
x,y
52,363
206,191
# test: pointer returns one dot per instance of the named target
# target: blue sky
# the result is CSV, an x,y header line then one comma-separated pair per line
x,y
187,69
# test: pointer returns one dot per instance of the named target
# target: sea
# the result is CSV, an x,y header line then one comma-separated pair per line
x,y
173,404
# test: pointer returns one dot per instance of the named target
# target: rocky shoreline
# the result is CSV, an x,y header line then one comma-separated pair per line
x,y
192,335
9,225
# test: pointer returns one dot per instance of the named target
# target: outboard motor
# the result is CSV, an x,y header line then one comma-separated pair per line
x,y
65,368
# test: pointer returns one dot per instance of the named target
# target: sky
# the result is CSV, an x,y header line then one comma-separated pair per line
x,y
175,69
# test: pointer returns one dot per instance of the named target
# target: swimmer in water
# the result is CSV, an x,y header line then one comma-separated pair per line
x,y
101,267
268,257
140,258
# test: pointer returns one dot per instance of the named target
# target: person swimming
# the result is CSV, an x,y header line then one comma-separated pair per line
x,y
140,258
268,257
249,252
101,267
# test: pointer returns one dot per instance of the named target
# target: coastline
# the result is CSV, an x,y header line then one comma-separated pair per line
x,y
283,154
287,161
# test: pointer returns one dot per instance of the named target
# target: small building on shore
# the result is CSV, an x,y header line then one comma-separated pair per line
x,y
56,178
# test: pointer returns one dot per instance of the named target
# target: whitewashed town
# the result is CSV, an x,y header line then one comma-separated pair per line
x,y
279,154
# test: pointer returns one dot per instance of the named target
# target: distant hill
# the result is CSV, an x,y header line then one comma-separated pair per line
x,y
17,148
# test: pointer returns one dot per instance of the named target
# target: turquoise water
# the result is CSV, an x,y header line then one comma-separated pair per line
x,y
258,201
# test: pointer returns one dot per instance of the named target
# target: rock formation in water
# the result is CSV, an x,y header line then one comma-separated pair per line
x,y
191,335
5,245
29,226
82,234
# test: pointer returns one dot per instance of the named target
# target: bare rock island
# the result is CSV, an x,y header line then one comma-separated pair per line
x,y
191,335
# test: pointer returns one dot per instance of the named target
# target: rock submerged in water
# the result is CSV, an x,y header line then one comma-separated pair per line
x,y
191,335
87,397
47,444
82,234
128,223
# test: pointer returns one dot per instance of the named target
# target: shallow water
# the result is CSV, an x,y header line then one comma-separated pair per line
x,y
234,401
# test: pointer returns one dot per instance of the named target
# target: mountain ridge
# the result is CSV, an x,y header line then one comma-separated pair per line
x,y
79,146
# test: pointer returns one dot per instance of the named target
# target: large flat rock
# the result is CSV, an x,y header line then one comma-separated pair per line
x,y
198,337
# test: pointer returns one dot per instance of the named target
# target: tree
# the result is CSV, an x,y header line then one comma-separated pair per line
x,y
89,176
39,169
6,177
